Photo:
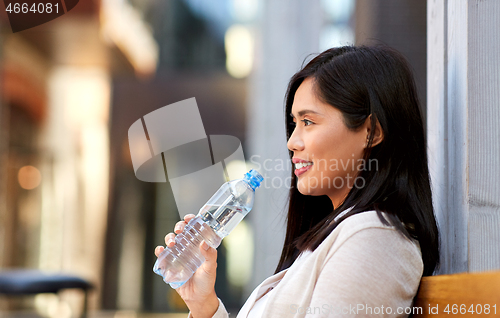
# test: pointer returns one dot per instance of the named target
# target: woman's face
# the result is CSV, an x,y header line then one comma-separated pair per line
x,y
330,151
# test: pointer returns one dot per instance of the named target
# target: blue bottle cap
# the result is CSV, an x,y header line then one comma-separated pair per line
x,y
254,178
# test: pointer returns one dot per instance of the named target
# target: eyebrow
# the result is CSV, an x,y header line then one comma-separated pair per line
x,y
304,112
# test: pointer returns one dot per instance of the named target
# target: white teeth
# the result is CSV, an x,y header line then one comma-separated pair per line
x,y
302,164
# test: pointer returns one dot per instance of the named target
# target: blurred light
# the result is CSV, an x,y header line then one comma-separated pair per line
x,y
239,246
122,24
87,95
77,131
216,14
60,309
252,165
338,10
83,95
29,177
239,51
50,305
245,10
45,301
236,168
335,35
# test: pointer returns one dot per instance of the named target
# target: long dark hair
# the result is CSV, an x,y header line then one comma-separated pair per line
x,y
363,81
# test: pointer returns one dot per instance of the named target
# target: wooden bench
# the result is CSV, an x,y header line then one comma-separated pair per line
x,y
459,295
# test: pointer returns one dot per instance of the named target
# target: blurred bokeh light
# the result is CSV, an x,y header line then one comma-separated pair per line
x,y
29,177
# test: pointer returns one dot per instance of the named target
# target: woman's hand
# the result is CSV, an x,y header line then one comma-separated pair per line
x,y
198,292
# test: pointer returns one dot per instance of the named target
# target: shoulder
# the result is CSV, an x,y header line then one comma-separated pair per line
x,y
367,231
368,262
364,244
361,261
363,221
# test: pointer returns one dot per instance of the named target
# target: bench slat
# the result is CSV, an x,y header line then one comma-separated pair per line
x,y
462,290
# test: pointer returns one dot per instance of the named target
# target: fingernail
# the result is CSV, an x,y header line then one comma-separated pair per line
x,y
170,241
205,246
177,228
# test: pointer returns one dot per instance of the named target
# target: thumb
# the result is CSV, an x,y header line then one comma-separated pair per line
x,y
210,255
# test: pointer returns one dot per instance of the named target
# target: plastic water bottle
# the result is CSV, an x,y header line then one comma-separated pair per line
x,y
215,220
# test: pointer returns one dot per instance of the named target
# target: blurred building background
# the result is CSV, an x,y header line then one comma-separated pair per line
x,y
71,88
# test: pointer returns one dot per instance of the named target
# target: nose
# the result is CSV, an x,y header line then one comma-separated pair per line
x,y
295,143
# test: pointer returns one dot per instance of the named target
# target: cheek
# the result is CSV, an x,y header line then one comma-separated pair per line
x,y
341,151
315,147
323,143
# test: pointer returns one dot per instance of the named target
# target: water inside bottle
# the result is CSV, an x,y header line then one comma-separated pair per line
x,y
177,264
223,219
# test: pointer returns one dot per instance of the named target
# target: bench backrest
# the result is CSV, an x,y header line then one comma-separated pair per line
x,y
459,295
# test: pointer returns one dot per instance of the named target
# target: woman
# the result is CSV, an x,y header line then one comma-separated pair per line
x,y
360,229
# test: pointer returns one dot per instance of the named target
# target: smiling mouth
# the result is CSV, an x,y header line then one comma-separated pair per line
x,y
302,167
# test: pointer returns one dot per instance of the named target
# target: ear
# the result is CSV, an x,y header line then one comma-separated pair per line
x,y
378,135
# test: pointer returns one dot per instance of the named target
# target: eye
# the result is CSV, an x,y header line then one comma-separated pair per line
x,y
307,122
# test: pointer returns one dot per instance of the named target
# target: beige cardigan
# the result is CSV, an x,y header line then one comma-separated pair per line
x,y
363,268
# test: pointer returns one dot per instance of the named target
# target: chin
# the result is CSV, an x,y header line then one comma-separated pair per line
x,y
304,188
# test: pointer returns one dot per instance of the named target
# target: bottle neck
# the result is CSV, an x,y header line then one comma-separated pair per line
x,y
252,183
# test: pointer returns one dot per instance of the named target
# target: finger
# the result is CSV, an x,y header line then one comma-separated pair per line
x,y
158,250
169,239
179,227
189,217
210,254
